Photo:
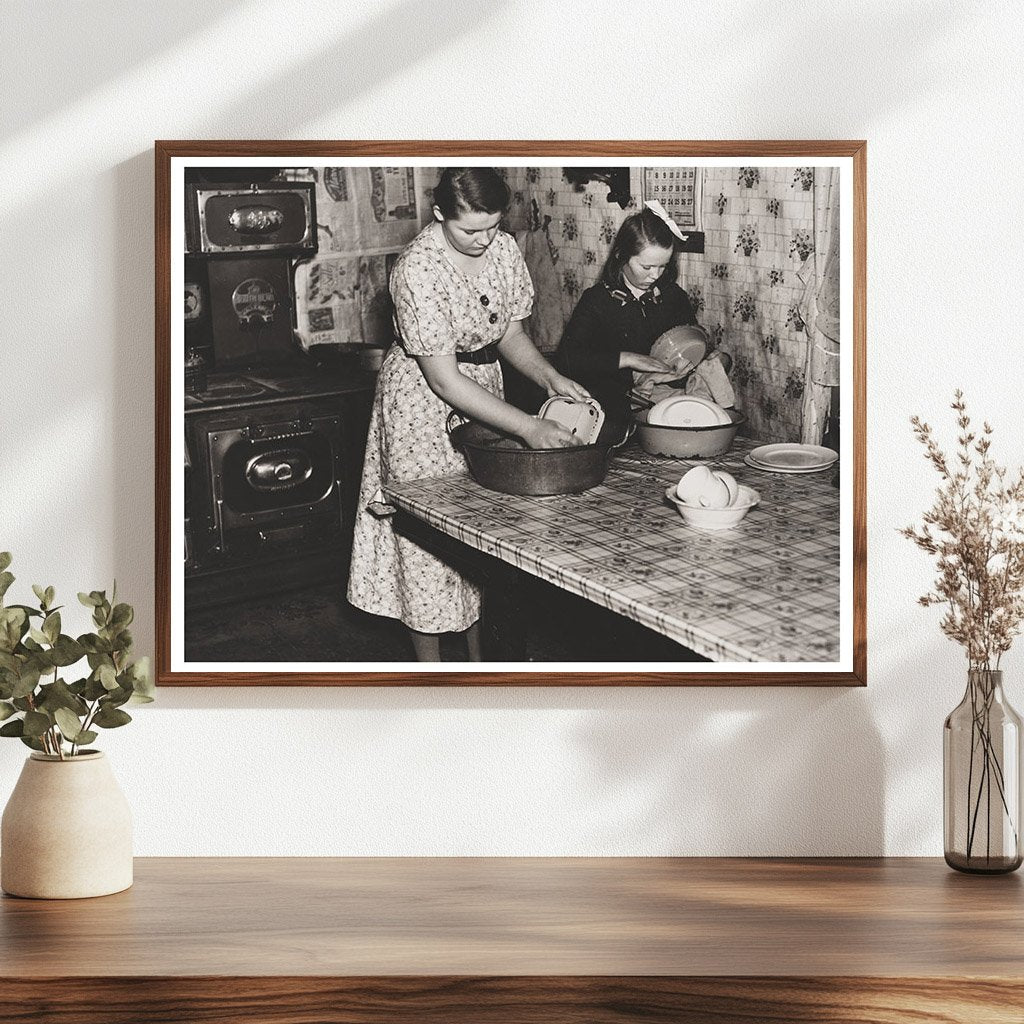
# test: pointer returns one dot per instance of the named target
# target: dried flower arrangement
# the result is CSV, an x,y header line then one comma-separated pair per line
x,y
975,531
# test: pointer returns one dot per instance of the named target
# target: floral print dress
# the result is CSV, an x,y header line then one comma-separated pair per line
x,y
439,310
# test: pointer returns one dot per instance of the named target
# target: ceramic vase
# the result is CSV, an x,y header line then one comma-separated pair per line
x,y
981,777
66,830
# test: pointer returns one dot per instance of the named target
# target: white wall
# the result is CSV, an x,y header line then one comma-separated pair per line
x,y
86,87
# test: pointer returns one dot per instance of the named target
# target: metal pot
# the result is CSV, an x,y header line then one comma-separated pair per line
x,y
688,442
502,463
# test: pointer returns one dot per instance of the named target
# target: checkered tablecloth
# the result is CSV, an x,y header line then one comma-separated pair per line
x,y
766,591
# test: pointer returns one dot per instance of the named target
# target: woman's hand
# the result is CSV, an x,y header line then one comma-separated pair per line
x,y
548,434
560,386
642,364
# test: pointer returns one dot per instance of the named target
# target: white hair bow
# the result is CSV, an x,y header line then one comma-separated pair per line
x,y
659,211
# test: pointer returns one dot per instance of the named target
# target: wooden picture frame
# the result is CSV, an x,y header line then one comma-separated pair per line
x,y
841,163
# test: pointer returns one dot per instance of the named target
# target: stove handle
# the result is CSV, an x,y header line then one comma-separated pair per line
x,y
218,512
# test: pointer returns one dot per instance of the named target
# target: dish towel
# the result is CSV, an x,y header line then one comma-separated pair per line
x,y
707,380
546,322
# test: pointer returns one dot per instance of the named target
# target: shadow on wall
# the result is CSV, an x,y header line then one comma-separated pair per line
x,y
837,49
680,778
131,419
349,66
104,43
741,771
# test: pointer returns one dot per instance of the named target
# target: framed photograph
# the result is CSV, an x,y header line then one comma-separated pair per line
x,y
492,413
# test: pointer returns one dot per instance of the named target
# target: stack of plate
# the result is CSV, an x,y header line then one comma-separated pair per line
x,y
791,458
687,411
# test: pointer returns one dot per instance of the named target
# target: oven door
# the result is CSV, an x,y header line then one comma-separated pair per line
x,y
274,481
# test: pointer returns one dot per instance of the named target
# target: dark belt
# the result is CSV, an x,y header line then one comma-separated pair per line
x,y
487,354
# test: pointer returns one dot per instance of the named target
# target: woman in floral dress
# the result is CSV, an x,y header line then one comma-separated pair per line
x,y
460,290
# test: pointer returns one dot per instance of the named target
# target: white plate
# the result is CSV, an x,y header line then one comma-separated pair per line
x,y
791,458
687,411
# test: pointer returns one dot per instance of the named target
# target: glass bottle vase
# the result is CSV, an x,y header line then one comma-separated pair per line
x,y
981,773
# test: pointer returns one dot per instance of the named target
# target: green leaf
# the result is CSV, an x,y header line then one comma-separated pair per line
x,y
51,626
27,681
67,651
40,592
38,635
13,625
31,741
122,616
94,644
5,560
107,676
28,610
6,710
6,579
36,723
50,595
69,724
86,736
89,600
15,728
115,698
94,689
16,616
111,718
141,676
58,695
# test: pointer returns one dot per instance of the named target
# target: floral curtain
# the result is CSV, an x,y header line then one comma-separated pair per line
x,y
820,309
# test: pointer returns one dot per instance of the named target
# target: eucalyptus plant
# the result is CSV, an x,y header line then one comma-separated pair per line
x,y
46,712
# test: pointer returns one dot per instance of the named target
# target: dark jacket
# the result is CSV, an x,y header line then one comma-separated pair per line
x,y
607,322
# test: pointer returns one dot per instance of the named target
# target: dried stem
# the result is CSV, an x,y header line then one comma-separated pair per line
x,y
975,531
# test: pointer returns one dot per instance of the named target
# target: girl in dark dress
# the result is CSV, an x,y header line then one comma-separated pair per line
x,y
615,323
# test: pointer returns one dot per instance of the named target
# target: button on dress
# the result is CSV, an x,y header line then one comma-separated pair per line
x,y
438,311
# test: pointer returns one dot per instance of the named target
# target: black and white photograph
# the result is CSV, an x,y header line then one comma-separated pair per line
x,y
524,413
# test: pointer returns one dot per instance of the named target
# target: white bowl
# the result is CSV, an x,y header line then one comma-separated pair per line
x,y
681,347
709,488
715,518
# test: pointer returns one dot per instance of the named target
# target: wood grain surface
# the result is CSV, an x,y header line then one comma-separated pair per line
x,y
520,1000
569,940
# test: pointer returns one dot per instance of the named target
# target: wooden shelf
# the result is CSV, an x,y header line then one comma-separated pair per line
x,y
573,941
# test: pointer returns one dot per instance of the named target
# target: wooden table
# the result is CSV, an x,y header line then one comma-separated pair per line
x,y
502,941
766,591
